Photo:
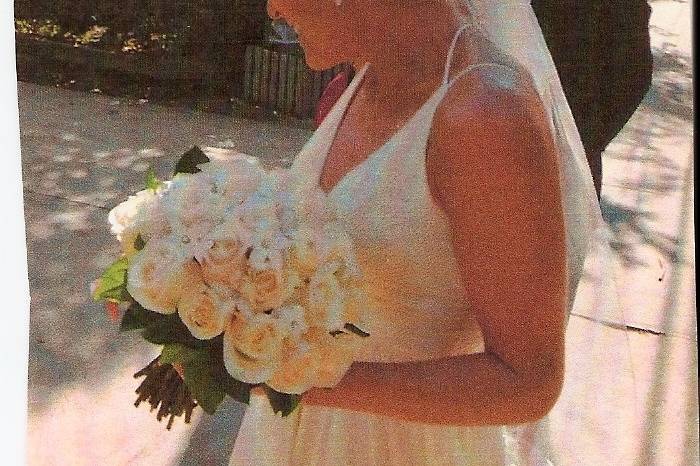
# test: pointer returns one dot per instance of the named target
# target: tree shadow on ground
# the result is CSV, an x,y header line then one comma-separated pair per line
x,y
664,118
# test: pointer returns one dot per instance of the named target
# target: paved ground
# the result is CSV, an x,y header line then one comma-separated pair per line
x,y
83,153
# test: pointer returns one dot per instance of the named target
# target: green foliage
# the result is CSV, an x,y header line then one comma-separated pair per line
x,y
189,161
282,403
92,35
139,243
45,28
191,31
112,284
199,376
170,329
356,330
205,372
152,181
136,317
201,382
176,353
204,367
239,391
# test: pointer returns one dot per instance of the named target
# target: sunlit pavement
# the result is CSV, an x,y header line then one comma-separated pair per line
x,y
83,153
648,201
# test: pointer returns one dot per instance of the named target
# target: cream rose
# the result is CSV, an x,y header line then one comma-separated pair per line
x,y
160,274
298,369
264,289
336,355
224,264
252,347
244,368
205,316
303,256
258,337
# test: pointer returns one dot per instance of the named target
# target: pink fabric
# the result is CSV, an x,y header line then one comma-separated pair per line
x,y
330,95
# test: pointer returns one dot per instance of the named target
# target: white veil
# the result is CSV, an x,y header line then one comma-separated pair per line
x,y
593,420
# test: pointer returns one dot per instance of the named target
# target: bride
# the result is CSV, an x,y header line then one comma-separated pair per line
x,y
453,161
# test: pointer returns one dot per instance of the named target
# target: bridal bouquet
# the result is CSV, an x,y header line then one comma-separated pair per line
x,y
244,278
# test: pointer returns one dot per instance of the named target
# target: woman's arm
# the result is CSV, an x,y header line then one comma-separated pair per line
x,y
472,390
494,172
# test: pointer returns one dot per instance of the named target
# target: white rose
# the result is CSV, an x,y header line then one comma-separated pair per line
x,y
233,229
202,313
336,250
326,301
293,320
141,214
193,206
236,177
160,274
122,216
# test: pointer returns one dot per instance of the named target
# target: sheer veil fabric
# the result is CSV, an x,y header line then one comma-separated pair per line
x,y
594,418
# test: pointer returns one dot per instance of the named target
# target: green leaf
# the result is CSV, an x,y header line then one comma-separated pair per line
x,y
239,391
175,352
136,317
200,381
357,331
189,161
283,403
170,329
152,181
112,283
139,243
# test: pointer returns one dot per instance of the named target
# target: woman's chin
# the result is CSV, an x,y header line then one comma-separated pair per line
x,y
319,62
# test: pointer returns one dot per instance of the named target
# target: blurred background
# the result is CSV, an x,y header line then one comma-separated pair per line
x,y
220,56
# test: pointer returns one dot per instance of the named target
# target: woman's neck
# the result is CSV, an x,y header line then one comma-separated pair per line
x,y
410,58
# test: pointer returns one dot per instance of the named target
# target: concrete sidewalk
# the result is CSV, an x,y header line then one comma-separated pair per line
x,y
83,153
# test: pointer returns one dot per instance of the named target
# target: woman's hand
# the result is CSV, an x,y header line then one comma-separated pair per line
x,y
492,168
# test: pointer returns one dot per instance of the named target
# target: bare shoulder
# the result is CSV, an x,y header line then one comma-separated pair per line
x,y
491,87
491,122
492,167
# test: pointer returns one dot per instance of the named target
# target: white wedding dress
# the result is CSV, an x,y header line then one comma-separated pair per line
x,y
403,244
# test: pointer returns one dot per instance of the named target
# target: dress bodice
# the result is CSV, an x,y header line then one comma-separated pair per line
x,y
402,239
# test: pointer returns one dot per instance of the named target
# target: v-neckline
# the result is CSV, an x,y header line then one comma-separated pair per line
x,y
338,121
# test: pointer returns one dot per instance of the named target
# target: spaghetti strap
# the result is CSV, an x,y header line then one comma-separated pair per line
x,y
446,81
473,67
450,52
